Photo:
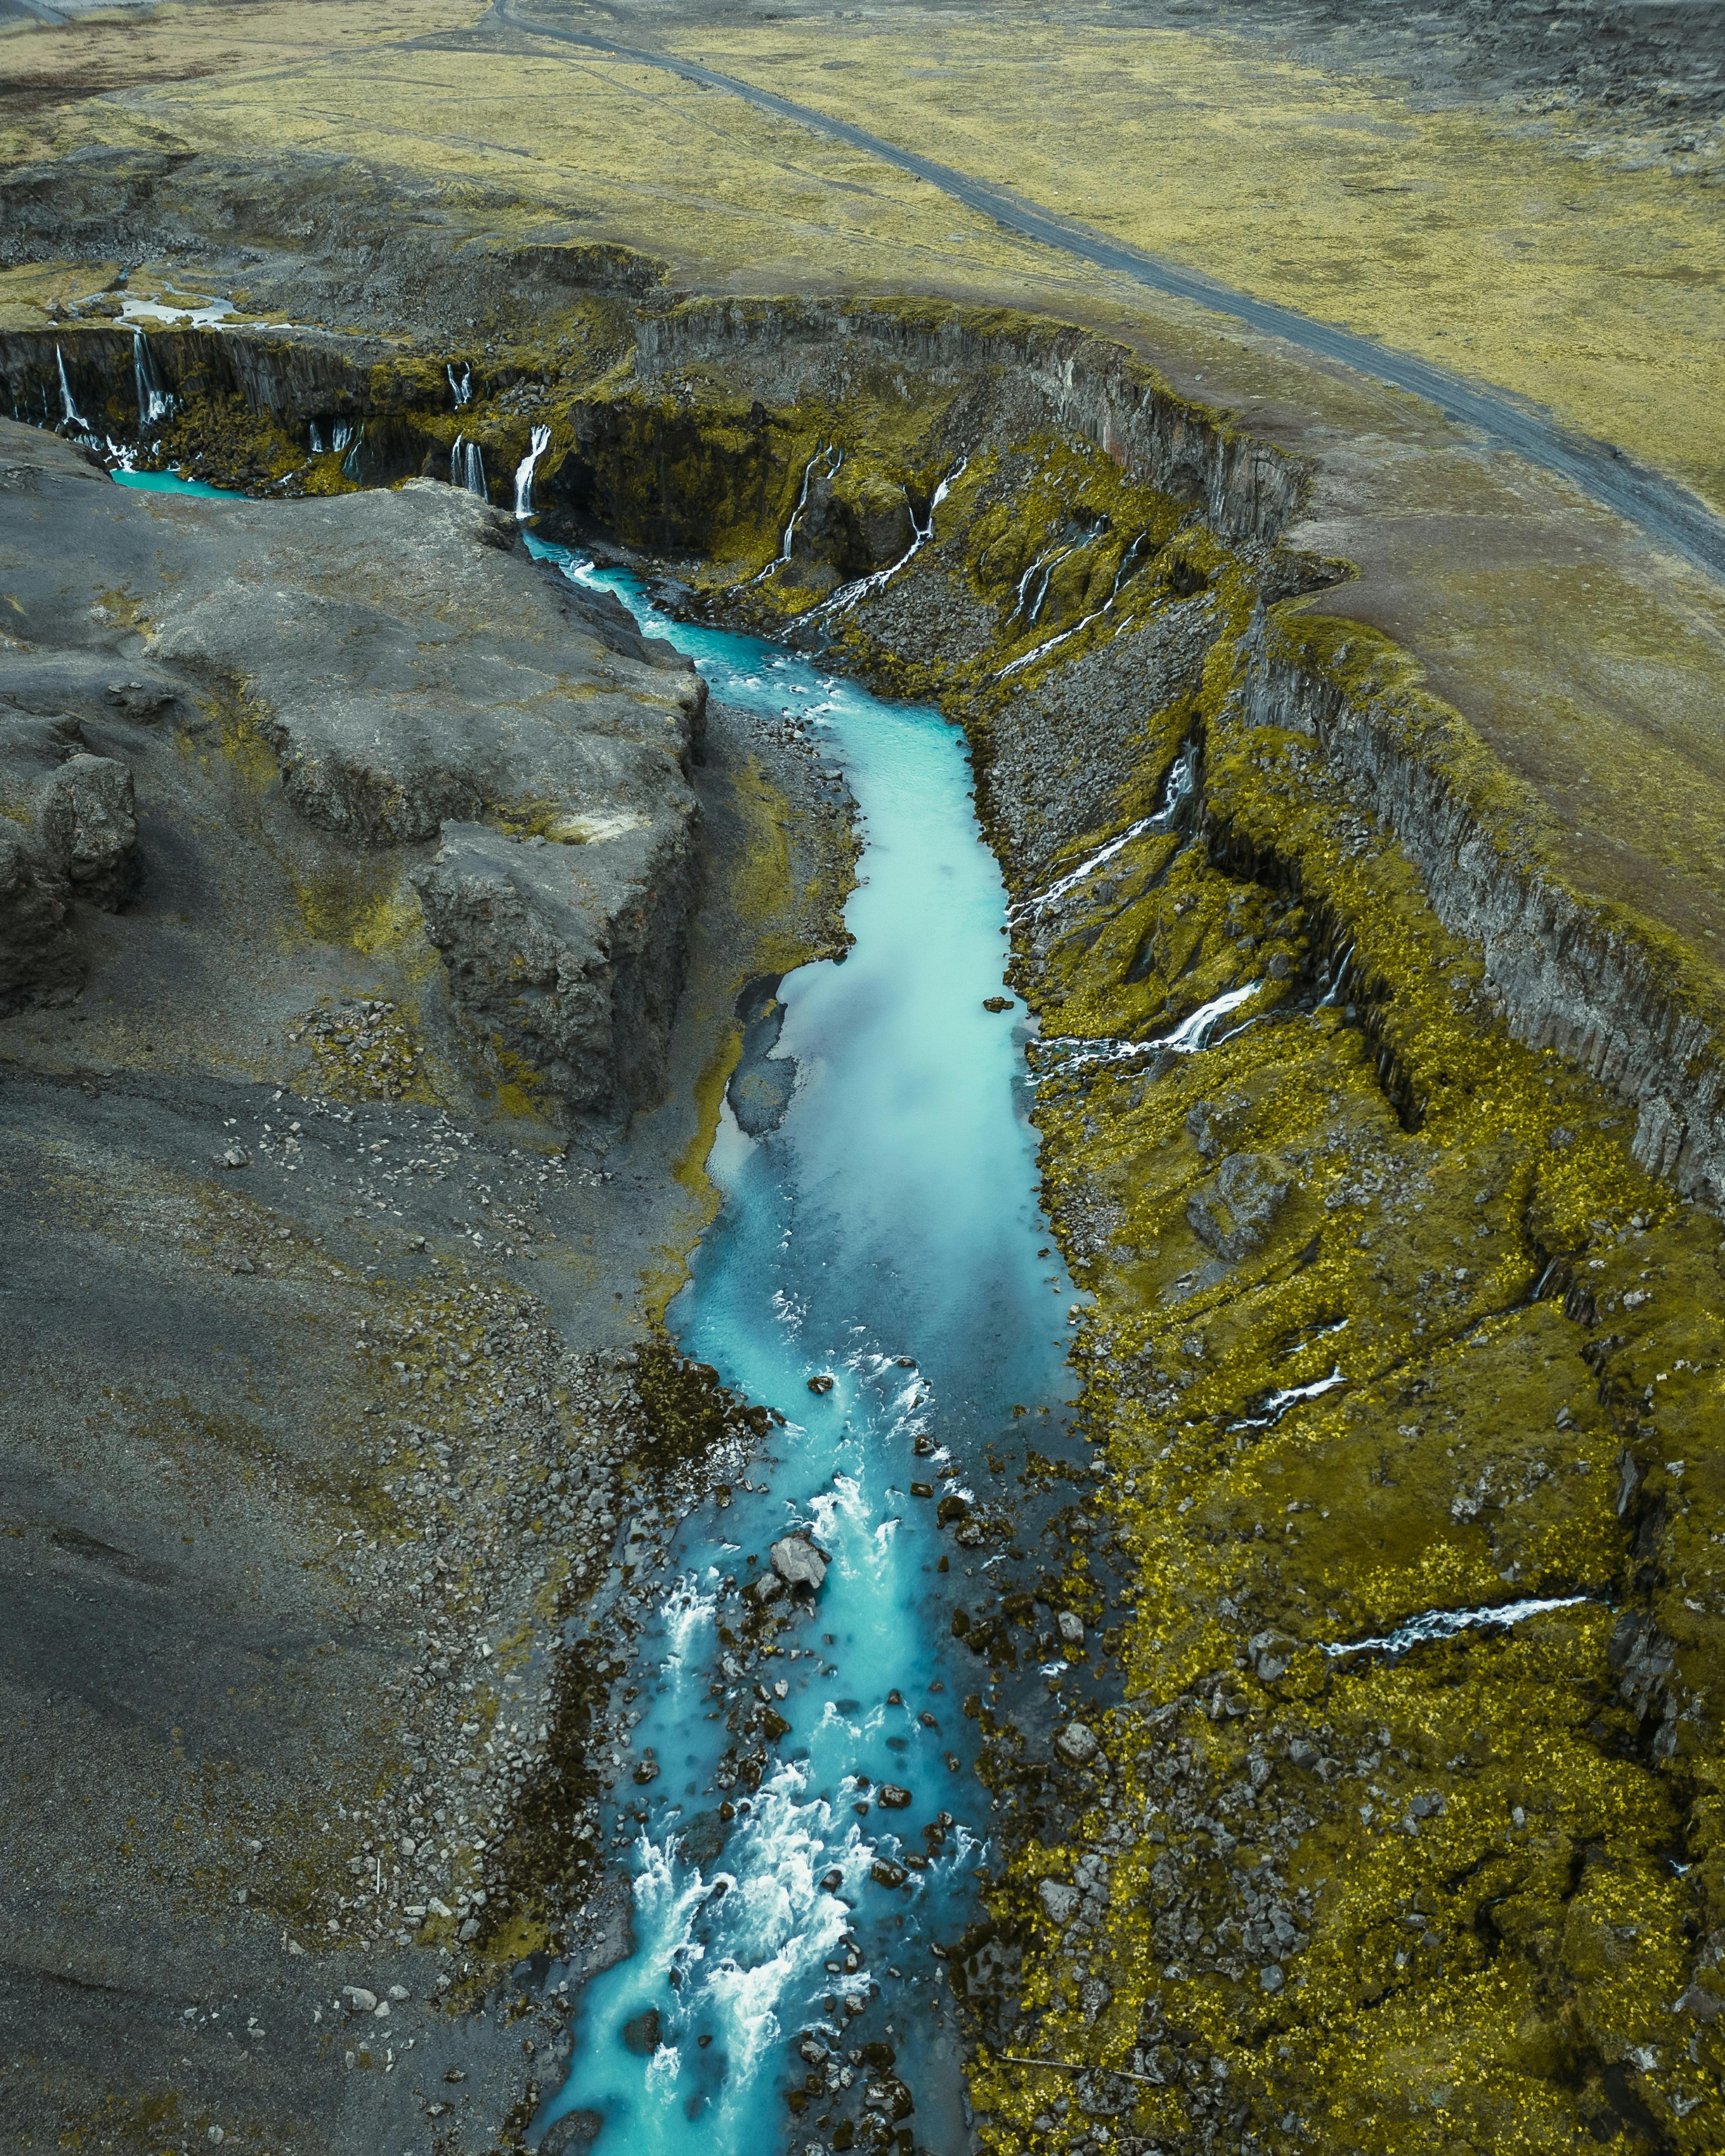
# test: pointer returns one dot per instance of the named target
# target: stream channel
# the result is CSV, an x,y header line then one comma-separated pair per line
x,y
887,1235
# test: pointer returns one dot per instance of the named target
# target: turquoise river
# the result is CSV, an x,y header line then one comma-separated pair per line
x,y
887,1235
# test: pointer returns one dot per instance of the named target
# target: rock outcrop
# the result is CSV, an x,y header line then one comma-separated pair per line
x,y
415,688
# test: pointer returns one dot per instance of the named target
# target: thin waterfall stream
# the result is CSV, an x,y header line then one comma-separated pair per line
x,y
804,1828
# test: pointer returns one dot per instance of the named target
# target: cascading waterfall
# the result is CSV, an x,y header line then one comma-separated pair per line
x,y
849,596
1182,782
342,436
155,404
540,444
463,389
70,416
317,440
1190,1037
1128,561
467,467
350,463
824,463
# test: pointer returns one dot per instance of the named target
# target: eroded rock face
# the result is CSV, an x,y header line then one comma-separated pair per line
x,y
568,954
70,829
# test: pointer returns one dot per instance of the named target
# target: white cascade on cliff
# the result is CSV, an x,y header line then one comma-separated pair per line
x,y
467,467
825,461
70,416
154,402
848,595
1182,780
464,389
524,472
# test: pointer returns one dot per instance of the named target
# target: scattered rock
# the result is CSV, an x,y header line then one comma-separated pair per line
x,y
823,1383
1232,1214
643,2036
799,1564
891,1798
574,2132
1078,1743
1060,1901
1272,1654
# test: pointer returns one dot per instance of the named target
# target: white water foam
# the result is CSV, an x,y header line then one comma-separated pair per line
x,y
1445,1624
539,443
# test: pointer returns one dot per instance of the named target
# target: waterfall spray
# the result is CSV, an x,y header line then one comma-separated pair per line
x,y
467,467
524,472
154,403
70,416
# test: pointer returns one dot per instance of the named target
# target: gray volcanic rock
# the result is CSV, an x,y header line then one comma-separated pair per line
x,y
412,672
567,950
87,815
410,676
1231,1214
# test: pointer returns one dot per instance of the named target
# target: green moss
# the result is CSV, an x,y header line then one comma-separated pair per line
x,y
222,441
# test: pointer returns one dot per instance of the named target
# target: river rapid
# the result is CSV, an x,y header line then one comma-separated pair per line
x,y
886,1236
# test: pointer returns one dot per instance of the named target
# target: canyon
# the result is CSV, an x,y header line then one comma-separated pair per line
x,y
433,848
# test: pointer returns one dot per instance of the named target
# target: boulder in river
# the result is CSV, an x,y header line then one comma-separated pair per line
x,y
642,2035
799,1564
1078,1743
